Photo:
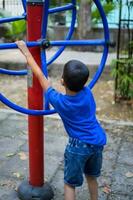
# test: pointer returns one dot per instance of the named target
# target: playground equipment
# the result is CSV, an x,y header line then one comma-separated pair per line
x,y
36,12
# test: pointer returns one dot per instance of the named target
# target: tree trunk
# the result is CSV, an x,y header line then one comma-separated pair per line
x,y
84,18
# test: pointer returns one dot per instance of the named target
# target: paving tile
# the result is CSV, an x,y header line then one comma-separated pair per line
x,y
120,182
126,153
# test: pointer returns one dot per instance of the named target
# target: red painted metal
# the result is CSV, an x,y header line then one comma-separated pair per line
x,y
35,101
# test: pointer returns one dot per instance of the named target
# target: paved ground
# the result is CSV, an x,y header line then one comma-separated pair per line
x,y
117,173
116,182
13,59
90,58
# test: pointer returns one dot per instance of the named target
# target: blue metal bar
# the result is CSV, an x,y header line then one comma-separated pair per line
x,y
58,43
24,5
12,19
68,36
78,43
100,69
43,52
14,106
104,20
62,8
45,19
45,72
13,72
106,47
14,46
44,65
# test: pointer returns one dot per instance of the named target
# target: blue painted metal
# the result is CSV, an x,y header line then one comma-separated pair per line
x,y
102,42
69,35
15,18
98,42
45,72
78,43
24,5
45,19
13,72
11,19
14,106
14,46
106,46
62,8
43,51
43,36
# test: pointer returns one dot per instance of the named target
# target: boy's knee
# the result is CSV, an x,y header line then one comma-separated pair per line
x,y
69,186
91,178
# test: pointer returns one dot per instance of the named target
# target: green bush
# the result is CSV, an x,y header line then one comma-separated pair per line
x,y
14,30
122,71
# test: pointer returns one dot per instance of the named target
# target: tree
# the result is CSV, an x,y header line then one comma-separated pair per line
x,y
88,16
84,18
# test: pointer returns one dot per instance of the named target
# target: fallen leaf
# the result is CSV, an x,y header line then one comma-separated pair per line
x,y
10,154
22,156
107,189
17,174
129,174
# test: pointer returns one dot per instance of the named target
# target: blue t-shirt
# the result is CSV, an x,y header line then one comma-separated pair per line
x,y
78,113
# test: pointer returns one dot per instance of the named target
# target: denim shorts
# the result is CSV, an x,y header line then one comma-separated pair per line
x,y
81,158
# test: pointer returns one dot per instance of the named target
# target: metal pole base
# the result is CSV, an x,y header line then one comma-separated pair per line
x,y
29,192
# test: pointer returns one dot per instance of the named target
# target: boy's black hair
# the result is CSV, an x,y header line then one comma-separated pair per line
x,y
75,75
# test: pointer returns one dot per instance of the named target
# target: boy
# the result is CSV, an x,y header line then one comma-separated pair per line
x,y
77,110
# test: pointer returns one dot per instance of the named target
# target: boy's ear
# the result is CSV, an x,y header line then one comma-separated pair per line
x,y
62,81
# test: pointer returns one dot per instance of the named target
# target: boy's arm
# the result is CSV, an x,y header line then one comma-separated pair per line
x,y
34,66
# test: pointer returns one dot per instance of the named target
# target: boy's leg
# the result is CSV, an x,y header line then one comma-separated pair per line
x,y
93,187
92,171
69,192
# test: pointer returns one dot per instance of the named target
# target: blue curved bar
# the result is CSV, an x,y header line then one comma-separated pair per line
x,y
69,35
24,5
43,51
12,19
62,8
24,110
100,69
45,19
104,20
13,72
45,72
106,47
44,65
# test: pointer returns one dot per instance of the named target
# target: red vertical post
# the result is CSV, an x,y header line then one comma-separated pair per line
x,y
35,98
35,188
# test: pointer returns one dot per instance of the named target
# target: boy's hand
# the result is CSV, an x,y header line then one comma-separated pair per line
x,y
23,48
32,63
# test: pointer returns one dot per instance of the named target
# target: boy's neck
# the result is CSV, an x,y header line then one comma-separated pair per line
x,y
70,92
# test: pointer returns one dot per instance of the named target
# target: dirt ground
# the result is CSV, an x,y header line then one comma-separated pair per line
x,y
15,89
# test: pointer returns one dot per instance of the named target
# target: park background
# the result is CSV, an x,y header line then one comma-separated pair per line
x,y
114,107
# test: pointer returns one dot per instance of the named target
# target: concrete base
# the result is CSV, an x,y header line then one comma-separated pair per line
x,y
29,192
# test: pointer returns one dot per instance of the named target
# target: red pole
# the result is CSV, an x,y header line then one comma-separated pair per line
x,y
35,100
35,188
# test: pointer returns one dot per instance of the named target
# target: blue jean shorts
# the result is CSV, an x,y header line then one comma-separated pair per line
x,y
81,158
